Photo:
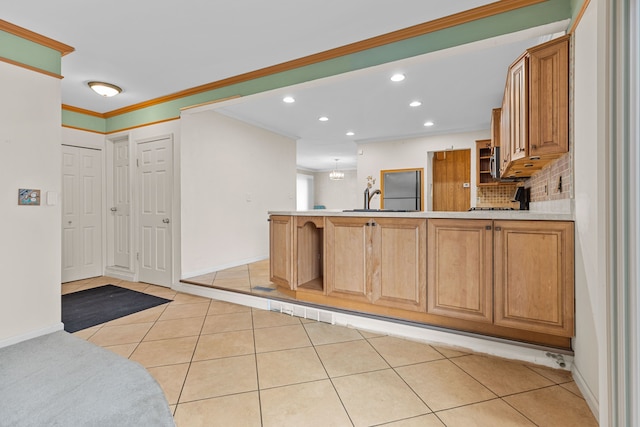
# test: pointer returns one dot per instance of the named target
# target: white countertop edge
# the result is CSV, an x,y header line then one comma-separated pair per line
x,y
508,215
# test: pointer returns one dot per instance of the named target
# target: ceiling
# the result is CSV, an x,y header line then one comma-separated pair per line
x,y
152,51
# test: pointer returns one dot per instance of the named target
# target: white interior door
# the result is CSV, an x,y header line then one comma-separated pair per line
x,y
121,205
81,213
155,180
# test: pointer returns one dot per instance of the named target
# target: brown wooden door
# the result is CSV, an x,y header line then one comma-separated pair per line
x,y
399,250
451,171
533,275
460,271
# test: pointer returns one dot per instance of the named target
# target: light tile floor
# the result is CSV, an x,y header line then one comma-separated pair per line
x,y
230,365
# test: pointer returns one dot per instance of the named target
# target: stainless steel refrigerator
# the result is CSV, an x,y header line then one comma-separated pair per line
x,y
402,190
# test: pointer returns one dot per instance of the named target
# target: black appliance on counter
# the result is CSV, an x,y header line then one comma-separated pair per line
x,y
522,195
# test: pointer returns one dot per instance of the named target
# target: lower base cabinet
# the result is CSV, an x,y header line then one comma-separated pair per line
x,y
460,277
514,274
533,276
377,260
506,278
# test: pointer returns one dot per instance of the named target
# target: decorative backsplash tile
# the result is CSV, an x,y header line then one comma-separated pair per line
x,y
554,182
496,196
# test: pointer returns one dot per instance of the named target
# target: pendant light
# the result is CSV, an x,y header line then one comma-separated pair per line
x,y
335,174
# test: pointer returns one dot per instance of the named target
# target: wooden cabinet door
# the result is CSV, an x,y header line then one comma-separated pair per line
x,y
398,269
533,273
549,98
280,250
505,132
459,266
347,254
518,108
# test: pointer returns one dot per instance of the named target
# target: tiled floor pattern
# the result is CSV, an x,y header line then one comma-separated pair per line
x,y
251,278
222,364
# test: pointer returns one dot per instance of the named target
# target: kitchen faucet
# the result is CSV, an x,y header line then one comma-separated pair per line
x,y
369,195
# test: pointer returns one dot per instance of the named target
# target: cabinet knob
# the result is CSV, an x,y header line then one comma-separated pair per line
x,y
498,228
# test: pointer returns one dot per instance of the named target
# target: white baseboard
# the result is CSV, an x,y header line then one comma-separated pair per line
x,y
32,334
120,273
495,347
588,395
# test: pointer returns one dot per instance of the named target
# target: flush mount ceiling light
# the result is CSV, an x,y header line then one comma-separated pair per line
x,y
415,104
104,89
335,174
289,99
323,118
397,77
350,133
429,123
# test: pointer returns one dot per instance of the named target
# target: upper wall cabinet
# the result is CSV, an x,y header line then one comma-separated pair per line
x,y
535,109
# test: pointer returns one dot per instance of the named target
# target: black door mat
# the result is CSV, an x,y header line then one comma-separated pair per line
x,y
84,309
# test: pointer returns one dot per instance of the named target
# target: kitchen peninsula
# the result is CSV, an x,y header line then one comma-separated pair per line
x,y
507,274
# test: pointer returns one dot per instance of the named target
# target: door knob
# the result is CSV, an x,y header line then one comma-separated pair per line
x,y
166,220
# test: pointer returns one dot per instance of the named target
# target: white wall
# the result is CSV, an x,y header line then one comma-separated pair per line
x,y
346,193
82,138
590,345
30,157
414,153
232,175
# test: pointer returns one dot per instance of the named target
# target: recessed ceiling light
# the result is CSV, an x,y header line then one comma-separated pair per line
x,y
350,133
323,118
429,123
415,104
288,99
104,89
397,77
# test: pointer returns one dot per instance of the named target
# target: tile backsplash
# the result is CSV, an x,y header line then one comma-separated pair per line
x,y
497,196
554,182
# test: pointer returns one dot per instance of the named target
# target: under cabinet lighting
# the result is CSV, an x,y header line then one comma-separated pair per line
x,y
104,89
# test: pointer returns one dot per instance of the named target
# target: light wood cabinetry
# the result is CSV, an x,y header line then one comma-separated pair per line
x,y
518,274
505,278
280,250
309,260
549,98
496,116
483,164
533,276
399,248
348,272
380,261
518,108
535,109
460,253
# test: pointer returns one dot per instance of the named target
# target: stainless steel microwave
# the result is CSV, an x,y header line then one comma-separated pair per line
x,y
494,163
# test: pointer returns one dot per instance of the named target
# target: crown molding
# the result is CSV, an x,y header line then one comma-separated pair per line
x,y
35,37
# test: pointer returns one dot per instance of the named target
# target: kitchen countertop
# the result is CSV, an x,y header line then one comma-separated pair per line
x,y
479,214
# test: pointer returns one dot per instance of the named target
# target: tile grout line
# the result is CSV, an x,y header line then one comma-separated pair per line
x,y
328,376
